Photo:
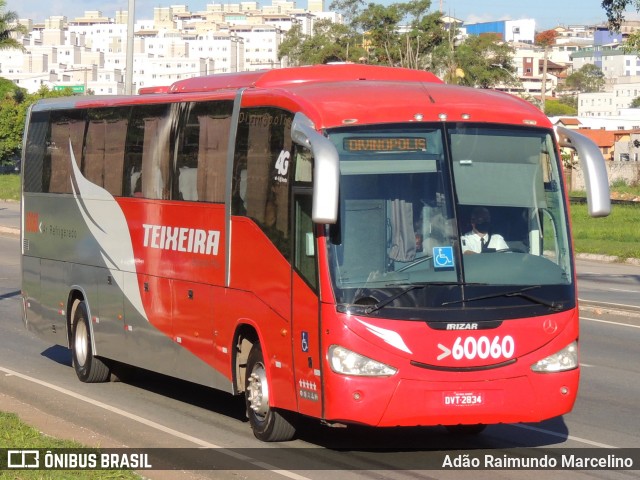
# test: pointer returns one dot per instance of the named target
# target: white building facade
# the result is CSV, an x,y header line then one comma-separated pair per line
x,y
89,53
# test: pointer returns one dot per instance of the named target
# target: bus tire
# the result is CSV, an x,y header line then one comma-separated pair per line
x,y
89,368
268,424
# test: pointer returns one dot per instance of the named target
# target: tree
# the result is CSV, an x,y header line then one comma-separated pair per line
x,y
485,61
546,38
635,103
350,9
426,32
403,35
615,11
381,26
291,46
588,79
329,42
373,35
13,112
8,27
615,15
554,108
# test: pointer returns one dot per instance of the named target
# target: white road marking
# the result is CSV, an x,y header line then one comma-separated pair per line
x,y
607,304
157,426
562,435
620,324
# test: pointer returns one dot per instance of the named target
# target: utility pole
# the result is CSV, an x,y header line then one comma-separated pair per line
x,y
544,78
128,80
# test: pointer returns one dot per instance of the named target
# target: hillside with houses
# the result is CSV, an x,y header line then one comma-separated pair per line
x,y
88,55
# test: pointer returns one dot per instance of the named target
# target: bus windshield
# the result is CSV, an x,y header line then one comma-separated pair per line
x,y
465,212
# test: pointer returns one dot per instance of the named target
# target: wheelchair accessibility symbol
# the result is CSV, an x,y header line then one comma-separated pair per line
x,y
443,257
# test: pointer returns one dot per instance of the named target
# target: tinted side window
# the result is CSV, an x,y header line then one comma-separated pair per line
x,y
201,152
103,160
35,151
66,127
262,173
147,164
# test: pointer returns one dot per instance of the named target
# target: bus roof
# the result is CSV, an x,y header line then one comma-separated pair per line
x,y
302,75
338,95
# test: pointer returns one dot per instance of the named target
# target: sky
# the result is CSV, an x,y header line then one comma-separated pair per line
x,y
547,13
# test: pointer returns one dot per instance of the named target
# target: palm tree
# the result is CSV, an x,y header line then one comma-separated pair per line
x,y
8,26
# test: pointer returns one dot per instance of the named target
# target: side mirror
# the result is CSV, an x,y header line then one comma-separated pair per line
x,y
326,170
593,167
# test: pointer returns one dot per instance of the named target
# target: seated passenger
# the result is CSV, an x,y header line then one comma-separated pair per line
x,y
479,239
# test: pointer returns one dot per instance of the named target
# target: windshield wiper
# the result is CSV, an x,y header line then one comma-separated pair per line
x,y
390,299
417,261
386,301
517,293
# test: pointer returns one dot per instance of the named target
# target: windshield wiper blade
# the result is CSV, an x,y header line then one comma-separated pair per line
x,y
386,301
367,309
390,299
517,293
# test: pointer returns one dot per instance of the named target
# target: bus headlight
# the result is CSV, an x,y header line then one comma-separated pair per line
x,y
565,359
346,362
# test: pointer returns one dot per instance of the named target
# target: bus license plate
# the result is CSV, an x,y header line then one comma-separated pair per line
x,y
463,399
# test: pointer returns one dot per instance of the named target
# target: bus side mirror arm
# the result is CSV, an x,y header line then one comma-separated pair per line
x,y
593,168
326,169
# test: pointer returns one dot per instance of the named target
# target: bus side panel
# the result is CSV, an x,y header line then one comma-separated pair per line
x,y
241,307
54,292
48,235
179,240
263,275
257,266
194,327
106,314
33,312
149,334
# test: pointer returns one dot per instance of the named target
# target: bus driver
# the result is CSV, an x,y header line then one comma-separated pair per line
x,y
479,239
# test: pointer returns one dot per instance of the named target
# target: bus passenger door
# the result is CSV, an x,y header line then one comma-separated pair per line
x,y
305,309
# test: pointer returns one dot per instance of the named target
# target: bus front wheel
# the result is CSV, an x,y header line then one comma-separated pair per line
x,y
89,368
268,424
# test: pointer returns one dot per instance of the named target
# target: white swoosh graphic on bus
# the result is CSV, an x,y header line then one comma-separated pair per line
x,y
389,336
112,233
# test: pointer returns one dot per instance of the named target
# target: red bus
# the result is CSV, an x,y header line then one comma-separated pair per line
x,y
303,237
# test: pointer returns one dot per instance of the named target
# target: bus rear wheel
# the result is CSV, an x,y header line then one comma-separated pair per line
x,y
89,368
268,424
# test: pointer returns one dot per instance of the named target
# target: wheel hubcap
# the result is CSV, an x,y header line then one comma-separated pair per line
x,y
258,391
81,343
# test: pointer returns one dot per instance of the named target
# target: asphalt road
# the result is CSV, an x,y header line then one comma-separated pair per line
x,y
149,411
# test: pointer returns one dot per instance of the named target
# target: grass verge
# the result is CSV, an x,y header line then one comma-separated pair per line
x,y
616,235
15,434
9,187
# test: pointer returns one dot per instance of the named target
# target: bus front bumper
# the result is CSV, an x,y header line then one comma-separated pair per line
x,y
407,402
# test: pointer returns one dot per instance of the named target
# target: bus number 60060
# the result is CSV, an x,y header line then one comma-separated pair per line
x,y
483,347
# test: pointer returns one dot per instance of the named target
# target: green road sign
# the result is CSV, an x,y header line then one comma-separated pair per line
x,y
74,88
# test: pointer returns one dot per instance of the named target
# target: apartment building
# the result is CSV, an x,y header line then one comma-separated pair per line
x,y
621,71
174,44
